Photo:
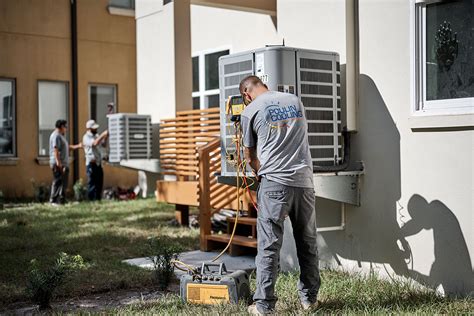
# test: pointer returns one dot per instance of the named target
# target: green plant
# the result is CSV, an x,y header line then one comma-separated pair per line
x,y
80,191
42,283
41,191
162,251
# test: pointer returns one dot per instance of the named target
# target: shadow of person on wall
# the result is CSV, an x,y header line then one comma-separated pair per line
x,y
372,230
452,266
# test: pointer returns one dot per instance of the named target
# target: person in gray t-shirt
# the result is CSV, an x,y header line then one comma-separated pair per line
x,y
59,162
276,147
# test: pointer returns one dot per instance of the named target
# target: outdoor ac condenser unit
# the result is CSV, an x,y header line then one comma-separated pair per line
x,y
129,137
314,76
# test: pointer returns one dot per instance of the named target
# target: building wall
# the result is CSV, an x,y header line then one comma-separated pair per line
x,y
416,178
155,48
36,45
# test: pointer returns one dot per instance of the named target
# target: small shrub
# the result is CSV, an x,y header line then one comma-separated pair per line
x,y
41,191
80,191
42,283
161,252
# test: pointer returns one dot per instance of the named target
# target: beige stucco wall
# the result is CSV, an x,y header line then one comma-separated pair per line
x,y
211,29
35,45
419,179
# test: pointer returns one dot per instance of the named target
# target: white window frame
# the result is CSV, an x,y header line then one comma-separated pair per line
x,y
203,93
423,107
66,84
13,82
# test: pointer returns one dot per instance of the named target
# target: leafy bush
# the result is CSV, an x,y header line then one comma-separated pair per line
x,y
161,252
42,283
80,191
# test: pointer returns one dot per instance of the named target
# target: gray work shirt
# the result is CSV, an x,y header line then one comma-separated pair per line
x,y
57,140
91,152
275,123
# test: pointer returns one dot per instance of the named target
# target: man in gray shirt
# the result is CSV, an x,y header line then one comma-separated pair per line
x,y
59,162
276,147
92,143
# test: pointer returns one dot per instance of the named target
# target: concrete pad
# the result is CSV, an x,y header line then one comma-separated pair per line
x,y
196,258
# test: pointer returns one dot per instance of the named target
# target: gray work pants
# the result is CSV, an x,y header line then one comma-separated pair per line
x,y
275,202
59,185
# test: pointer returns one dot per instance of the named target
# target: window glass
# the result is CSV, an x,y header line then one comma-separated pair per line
x,y
7,118
196,103
52,106
449,50
195,74
212,69
102,103
128,4
212,101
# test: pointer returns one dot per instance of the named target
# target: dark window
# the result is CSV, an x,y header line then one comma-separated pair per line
x,y
212,69
213,101
449,56
127,4
195,74
102,102
7,117
196,103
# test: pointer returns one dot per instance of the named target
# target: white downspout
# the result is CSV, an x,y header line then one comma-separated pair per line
x,y
352,69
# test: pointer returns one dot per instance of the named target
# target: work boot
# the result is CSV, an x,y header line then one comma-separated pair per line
x,y
310,306
252,310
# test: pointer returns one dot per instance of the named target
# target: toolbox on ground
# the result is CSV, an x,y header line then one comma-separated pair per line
x,y
215,287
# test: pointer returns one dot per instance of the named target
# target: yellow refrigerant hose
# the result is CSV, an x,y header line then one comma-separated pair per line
x,y
179,264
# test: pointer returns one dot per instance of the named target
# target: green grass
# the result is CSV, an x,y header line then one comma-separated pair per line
x,y
106,233
102,233
341,293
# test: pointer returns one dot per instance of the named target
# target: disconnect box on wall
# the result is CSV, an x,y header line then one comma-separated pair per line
x,y
129,137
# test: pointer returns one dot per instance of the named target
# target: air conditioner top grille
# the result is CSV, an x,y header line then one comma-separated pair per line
x,y
238,67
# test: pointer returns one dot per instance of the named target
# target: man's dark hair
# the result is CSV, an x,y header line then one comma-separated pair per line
x,y
61,123
250,81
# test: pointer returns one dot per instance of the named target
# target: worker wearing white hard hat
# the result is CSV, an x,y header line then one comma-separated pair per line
x,y
91,143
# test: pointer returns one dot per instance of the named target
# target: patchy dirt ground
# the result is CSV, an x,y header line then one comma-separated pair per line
x,y
93,303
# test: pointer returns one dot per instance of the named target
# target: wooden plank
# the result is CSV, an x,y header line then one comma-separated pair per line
x,y
196,134
179,167
188,118
179,162
186,140
198,111
179,173
204,199
251,221
168,156
166,146
177,192
177,151
187,129
238,240
192,123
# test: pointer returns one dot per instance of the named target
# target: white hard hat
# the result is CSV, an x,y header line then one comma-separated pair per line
x,y
92,124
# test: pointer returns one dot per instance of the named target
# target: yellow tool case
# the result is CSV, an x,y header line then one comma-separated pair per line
x,y
215,287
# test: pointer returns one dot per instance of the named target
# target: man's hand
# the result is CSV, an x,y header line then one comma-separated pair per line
x,y
252,159
101,138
